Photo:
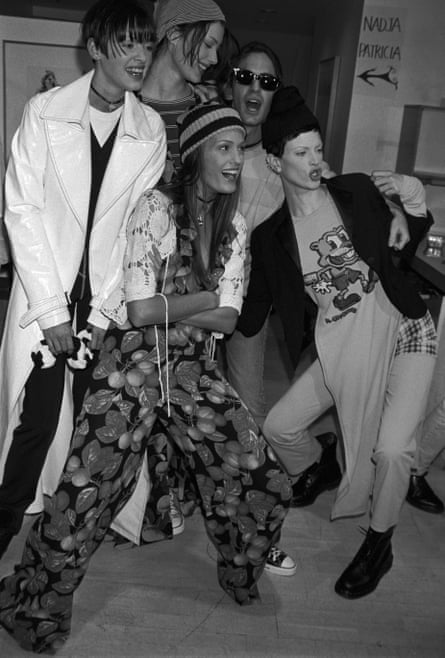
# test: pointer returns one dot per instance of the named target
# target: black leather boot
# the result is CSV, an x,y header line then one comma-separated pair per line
x,y
422,496
320,476
373,560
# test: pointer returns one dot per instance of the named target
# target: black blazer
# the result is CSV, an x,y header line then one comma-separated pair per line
x,y
276,279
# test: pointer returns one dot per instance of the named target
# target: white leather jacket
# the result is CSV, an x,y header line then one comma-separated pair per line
x,y
47,190
47,193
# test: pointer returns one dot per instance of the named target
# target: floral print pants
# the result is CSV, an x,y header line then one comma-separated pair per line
x,y
243,493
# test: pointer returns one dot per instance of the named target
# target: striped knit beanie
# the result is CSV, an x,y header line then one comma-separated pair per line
x,y
204,121
170,13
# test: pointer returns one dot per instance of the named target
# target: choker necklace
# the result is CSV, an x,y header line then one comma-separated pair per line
x,y
250,146
112,105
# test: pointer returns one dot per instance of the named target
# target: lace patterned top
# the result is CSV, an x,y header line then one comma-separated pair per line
x,y
158,257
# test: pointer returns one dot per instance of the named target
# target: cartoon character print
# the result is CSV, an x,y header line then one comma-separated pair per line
x,y
336,257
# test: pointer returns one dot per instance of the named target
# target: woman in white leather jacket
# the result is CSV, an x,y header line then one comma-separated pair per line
x,y
79,161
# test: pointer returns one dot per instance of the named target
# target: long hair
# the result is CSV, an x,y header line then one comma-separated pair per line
x,y
219,75
183,194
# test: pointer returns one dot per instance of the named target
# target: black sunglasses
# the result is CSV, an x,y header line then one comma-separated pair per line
x,y
267,81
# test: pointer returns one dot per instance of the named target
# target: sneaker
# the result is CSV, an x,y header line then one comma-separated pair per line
x,y
176,516
280,563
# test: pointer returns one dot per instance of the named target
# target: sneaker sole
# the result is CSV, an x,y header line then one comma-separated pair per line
x,y
276,571
178,530
279,571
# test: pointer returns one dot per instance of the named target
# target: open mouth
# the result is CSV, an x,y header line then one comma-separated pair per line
x,y
253,105
136,72
315,174
343,256
231,174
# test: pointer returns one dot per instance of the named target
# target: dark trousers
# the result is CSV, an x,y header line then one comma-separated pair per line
x,y
32,438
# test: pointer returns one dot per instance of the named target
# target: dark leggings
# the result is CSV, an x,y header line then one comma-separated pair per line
x,y
33,436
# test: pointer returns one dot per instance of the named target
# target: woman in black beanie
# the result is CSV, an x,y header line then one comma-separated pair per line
x,y
336,240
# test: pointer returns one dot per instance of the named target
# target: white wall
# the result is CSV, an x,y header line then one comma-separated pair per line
x,y
29,31
336,35
376,112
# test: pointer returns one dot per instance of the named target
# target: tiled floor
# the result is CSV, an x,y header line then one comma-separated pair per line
x,y
164,599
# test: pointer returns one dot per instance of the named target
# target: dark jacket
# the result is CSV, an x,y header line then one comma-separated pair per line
x,y
276,279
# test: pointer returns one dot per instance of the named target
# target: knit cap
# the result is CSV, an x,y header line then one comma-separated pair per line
x,y
204,121
170,13
288,114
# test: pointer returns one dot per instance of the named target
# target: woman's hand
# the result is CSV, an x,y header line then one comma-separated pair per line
x,y
222,319
388,182
59,338
97,337
399,233
206,92
326,171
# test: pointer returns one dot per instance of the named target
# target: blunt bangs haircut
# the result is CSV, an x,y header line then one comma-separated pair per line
x,y
110,22
259,47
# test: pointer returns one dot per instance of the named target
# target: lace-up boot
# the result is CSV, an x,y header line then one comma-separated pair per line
x,y
373,560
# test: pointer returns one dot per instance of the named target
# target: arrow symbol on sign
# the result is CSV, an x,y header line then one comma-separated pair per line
x,y
390,76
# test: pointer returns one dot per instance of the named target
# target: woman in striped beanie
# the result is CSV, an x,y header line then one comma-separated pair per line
x,y
190,34
183,282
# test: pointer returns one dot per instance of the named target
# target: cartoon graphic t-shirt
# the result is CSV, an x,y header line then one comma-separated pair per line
x,y
334,275
356,328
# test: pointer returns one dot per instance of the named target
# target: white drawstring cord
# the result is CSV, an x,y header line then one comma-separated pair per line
x,y
212,347
212,343
158,352
165,273
167,375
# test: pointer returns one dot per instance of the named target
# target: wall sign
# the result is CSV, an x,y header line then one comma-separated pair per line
x,y
380,51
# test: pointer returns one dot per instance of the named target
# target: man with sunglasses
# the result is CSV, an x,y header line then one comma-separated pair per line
x,y
256,75
266,81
